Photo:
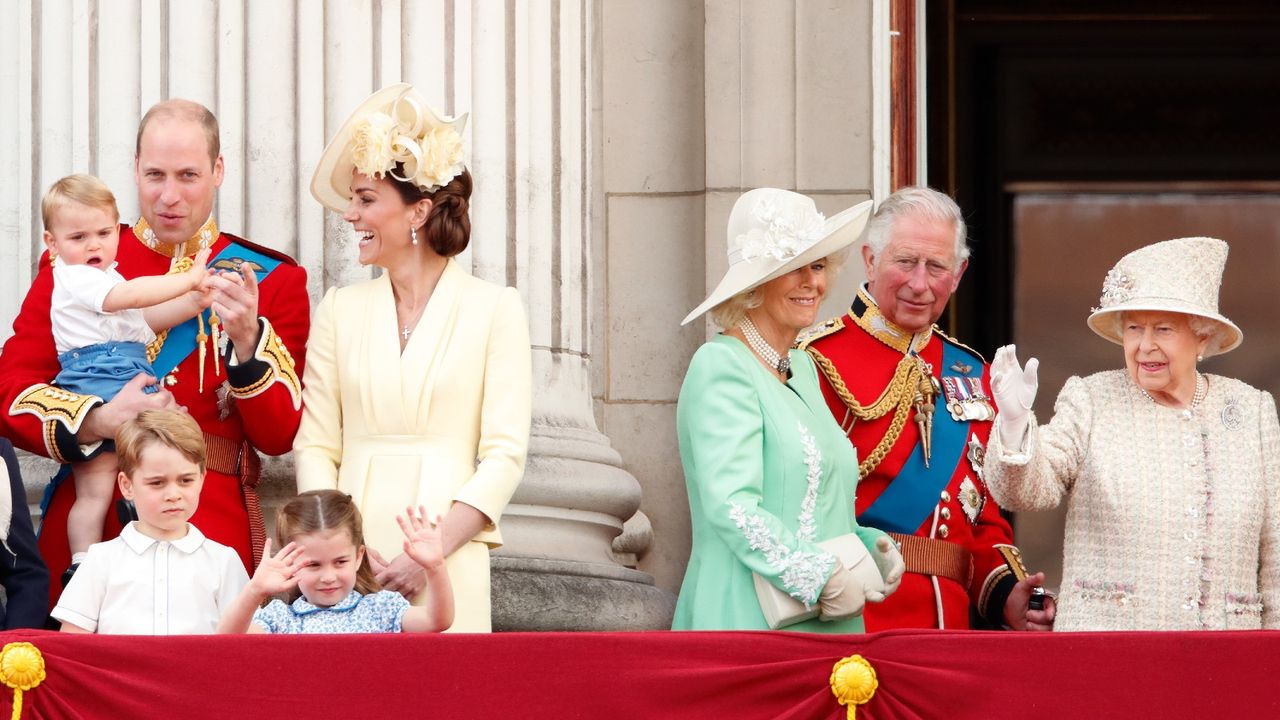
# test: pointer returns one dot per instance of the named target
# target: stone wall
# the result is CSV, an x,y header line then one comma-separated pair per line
x,y
702,101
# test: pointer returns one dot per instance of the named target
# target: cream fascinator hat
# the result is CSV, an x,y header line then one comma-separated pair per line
x,y
772,232
1180,276
391,127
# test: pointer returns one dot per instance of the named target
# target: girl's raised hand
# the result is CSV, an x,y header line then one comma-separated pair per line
x,y
424,538
278,573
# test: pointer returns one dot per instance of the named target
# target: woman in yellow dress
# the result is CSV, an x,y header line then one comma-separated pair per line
x,y
418,383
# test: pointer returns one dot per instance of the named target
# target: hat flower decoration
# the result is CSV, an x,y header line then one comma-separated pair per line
x,y
408,135
1116,288
780,234
772,232
392,134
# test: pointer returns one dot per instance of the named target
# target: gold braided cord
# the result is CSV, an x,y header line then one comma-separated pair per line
x,y
153,347
900,385
872,461
898,395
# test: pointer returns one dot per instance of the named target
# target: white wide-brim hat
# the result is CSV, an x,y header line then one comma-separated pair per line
x,y
772,232
1181,276
410,119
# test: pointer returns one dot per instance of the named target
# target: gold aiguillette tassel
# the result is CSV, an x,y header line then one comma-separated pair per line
x,y
924,413
215,335
201,337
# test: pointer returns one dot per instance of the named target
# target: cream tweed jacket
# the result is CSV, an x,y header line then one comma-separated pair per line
x,y
1173,517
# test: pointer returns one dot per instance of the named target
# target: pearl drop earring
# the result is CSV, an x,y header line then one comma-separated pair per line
x,y
413,233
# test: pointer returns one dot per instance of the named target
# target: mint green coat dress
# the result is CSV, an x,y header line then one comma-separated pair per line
x,y
769,475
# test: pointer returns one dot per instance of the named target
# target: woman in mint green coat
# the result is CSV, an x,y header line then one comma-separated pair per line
x,y
770,474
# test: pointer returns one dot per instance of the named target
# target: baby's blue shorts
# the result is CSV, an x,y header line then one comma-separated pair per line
x,y
103,369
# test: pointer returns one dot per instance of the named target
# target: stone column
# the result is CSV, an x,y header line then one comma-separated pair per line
x,y
531,91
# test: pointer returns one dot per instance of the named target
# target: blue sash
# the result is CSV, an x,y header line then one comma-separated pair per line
x,y
911,496
181,341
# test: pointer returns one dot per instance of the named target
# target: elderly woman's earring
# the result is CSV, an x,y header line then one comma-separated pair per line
x,y
1199,358
413,233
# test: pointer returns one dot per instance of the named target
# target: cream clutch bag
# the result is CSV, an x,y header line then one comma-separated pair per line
x,y
780,609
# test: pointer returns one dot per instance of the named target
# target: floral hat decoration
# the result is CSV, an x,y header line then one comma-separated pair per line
x,y
393,133
1181,276
772,232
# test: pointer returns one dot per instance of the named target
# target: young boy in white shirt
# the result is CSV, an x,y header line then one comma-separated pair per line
x,y
161,576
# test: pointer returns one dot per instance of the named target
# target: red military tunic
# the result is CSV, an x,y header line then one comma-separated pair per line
x,y
962,541
261,412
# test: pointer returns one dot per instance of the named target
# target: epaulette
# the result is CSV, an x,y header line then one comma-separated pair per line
x,y
957,343
821,330
276,254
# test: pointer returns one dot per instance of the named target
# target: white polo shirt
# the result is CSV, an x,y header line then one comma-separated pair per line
x,y
75,310
136,585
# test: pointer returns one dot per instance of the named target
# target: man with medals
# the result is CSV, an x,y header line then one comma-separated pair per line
x,y
235,367
917,406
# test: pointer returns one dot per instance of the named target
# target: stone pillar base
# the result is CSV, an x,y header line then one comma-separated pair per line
x,y
532,594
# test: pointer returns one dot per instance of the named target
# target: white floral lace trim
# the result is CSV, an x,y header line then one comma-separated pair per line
x,y
802,573
813,459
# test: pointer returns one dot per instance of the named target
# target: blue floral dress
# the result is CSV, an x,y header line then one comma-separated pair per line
x,y
380,612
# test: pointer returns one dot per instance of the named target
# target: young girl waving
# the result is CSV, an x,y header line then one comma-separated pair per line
x,y
325,573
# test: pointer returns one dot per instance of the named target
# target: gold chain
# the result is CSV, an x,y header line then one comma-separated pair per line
x,y
898,395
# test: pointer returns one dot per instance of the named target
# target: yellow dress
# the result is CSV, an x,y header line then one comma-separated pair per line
x,y
446,421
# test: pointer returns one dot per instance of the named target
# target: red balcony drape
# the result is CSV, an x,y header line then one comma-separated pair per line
x,y
654,675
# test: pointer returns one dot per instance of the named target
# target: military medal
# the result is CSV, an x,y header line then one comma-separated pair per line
x,y
971,499
967,399
226,401
976,453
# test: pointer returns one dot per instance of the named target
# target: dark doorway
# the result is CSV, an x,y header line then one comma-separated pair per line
x,y
1072,93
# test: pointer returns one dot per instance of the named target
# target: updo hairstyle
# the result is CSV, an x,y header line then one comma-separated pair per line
x,y
448,226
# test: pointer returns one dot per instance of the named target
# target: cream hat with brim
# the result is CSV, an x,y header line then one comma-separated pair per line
x,y
772,232
1181,276
331,182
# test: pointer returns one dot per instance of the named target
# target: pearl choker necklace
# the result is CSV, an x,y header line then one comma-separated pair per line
x,y
1202,389
782,363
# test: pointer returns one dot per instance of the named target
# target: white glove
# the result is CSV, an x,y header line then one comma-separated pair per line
x,y
889,560
1015,391
842,597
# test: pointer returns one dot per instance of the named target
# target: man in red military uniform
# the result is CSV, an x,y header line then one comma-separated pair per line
x,y
917,406
235,368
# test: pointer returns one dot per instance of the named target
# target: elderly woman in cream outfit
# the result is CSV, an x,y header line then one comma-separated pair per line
x,y
1171,476
418,383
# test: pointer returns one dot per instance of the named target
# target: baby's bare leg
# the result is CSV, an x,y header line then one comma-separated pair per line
x,y
95,481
